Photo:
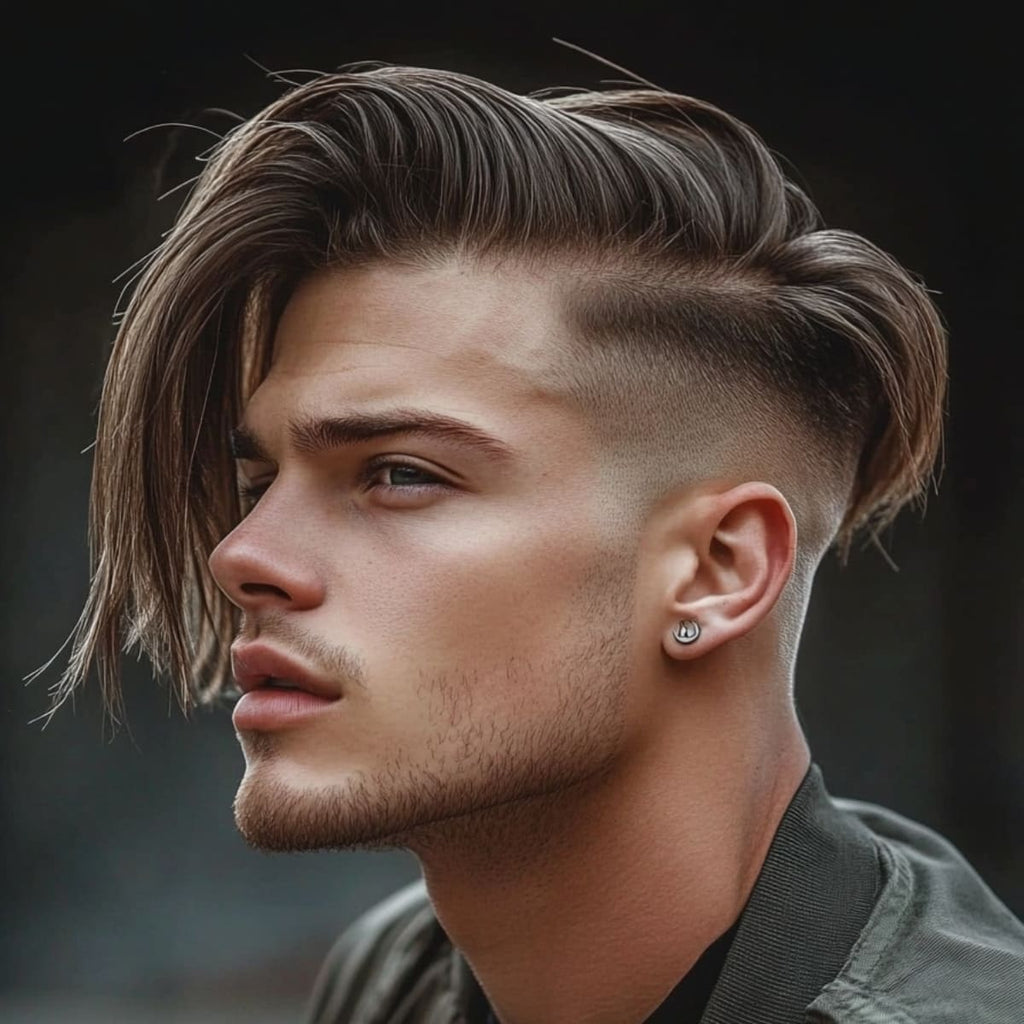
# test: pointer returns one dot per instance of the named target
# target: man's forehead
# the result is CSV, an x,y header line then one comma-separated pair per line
x,y
500,322
466,343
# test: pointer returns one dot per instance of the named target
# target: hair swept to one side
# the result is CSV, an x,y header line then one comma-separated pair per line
x,y
704,250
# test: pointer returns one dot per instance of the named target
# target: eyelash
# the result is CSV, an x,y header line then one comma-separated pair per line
x,y
251,493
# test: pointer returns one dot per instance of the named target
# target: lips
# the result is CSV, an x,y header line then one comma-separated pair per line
x,y
256,666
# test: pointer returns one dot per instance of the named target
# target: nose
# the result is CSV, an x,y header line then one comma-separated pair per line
x,y
261,566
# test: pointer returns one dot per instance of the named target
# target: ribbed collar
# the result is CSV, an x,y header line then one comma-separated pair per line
x,y
815,892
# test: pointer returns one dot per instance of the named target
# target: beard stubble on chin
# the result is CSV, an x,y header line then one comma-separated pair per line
x,y
489,779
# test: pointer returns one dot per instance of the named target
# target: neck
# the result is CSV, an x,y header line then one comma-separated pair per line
x,y
656,856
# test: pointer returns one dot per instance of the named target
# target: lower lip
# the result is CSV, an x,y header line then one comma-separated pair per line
x,y
267,708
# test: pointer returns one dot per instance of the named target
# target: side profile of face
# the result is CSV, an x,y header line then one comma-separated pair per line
x,y
470,606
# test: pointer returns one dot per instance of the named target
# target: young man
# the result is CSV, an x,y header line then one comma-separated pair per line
x,y
544,413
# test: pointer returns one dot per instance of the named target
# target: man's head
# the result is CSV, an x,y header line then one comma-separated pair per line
x,y
683,392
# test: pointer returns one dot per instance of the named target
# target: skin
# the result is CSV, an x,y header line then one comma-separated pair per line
x,y
574,782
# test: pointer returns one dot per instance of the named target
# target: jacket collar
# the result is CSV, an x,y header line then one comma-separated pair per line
x,y
815,892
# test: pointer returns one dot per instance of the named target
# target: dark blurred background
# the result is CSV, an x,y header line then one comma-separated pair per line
x,y
126,893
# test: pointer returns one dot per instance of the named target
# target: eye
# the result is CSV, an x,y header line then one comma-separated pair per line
x,y
396,472
399,473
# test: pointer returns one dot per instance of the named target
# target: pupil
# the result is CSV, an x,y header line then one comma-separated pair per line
x,y
403,469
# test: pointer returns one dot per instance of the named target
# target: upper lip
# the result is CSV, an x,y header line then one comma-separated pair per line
x,y
255,664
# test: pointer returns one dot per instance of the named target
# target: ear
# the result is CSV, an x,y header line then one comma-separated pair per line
x,y
740,545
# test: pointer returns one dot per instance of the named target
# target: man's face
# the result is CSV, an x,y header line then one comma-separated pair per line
x,y
473,612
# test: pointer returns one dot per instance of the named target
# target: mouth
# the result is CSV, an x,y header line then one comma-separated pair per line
x,y
256,666
278,684
278,691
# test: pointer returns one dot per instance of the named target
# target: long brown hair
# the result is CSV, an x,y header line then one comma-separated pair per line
x,y
682,242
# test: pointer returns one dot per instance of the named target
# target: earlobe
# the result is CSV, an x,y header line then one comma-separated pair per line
x,y
745,542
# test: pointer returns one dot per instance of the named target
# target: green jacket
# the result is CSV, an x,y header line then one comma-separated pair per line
x,y
858,916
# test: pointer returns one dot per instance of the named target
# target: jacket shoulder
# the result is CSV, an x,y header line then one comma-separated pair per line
x,y
373,969
939,946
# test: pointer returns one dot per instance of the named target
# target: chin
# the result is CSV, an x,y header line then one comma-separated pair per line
x,y
278,810
396,809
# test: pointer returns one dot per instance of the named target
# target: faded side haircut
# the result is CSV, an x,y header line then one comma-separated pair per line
x,y
696,277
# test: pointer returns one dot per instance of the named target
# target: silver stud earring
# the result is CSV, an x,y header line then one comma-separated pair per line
x,y
687,631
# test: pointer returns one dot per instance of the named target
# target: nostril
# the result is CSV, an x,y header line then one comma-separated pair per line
x,y
261,589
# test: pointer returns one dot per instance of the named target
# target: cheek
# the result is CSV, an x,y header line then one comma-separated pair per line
x,y
469,603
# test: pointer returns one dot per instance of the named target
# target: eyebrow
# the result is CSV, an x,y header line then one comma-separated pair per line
x,y
314,435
